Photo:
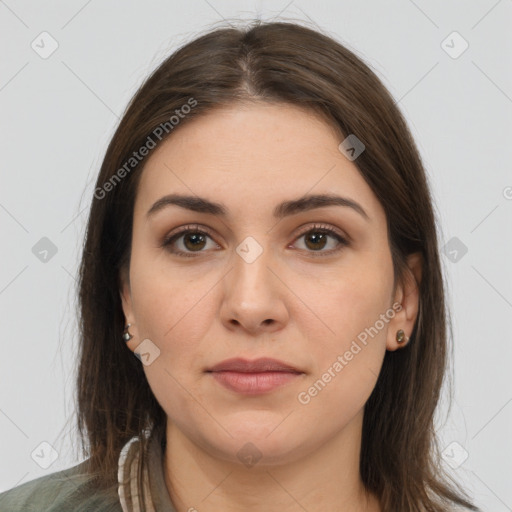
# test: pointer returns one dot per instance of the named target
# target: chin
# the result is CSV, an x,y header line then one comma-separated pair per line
x,y
254,447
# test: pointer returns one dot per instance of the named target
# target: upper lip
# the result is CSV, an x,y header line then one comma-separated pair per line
x,y
263,364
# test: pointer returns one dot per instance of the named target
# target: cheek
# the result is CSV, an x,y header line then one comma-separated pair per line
x,y
351,309
348,360
165,296
351,298
175,314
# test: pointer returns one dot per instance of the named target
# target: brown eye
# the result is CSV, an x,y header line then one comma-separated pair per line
x,y
187,242
316,239
194,241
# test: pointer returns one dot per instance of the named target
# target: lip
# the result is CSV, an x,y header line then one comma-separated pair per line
x,y
263,364
253,377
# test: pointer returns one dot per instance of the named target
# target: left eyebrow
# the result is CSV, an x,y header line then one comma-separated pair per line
x,y
284,209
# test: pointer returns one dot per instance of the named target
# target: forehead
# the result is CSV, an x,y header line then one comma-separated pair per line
x,y
251,157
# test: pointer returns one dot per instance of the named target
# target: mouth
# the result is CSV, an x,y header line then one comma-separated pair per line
x,y
253,377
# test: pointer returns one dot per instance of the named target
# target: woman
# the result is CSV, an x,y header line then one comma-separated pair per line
x,y
262,239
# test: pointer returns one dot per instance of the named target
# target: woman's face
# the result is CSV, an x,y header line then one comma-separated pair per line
x,y
263,279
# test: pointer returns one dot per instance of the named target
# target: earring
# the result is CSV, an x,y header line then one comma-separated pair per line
x,y
127,336
400,336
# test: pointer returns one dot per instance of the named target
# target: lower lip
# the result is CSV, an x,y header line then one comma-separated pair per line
x,y
253,383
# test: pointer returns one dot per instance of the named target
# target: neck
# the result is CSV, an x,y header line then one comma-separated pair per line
x,y
325,479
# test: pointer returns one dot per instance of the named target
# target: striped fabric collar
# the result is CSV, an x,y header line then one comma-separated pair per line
x,y
127,479
155,490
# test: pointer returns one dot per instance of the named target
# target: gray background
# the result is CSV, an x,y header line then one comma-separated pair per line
x,y
59,112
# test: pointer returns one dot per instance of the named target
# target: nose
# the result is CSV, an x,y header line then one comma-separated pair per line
x,y
254,296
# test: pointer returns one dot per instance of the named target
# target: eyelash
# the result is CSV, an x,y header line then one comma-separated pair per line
x,y
196,229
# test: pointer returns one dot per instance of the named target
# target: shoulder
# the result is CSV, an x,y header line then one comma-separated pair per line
x,y
65,490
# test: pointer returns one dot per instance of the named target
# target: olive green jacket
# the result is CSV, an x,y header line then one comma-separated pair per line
x,y
70,490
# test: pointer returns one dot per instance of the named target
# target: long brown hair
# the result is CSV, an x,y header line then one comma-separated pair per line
x,y
272,62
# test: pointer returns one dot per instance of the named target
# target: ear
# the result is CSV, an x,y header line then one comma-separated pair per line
x,y
126,298
406,294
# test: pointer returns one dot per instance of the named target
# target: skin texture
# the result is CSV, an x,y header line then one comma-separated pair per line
x,y
288,304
